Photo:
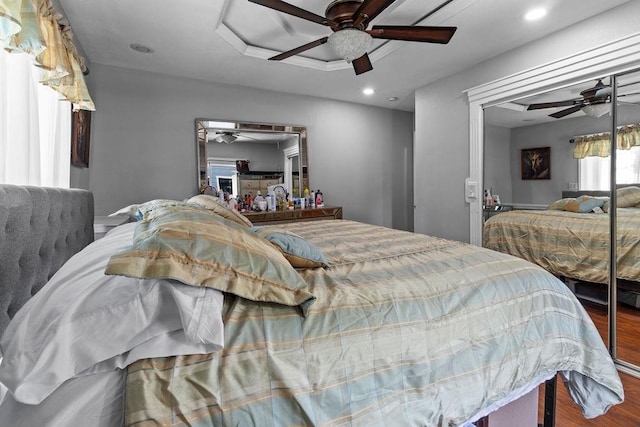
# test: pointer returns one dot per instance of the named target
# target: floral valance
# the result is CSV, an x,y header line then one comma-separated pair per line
x,y
599,144
36,28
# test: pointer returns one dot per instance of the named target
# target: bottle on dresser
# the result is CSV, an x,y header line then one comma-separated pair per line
x,y
319,201
307,198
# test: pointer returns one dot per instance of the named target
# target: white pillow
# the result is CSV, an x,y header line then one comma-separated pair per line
x,y
84,322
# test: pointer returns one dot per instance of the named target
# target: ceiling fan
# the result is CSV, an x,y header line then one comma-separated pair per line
x,y
228,137
593,102
349,19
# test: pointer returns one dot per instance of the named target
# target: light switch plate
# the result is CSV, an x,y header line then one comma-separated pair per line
x,y
470,190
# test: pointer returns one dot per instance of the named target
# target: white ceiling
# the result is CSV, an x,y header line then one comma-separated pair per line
x,y
228,41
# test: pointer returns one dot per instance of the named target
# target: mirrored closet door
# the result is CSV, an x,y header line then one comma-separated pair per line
x,y
546,150
626,178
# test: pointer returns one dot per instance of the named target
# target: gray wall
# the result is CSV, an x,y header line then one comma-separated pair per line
x,y
262,156
497,162
500,156
441,150
564,168
142,143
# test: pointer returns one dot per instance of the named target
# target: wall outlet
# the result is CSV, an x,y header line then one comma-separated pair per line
x,y
572,186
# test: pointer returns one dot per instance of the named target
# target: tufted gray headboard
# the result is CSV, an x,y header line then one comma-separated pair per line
x,y
40,229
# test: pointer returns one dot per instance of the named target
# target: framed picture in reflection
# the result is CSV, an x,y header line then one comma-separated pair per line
x,y
80,132
536,163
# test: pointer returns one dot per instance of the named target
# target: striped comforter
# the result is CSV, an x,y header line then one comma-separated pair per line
x,y
407,330
574,245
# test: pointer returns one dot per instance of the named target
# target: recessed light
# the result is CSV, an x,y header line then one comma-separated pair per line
x,y
140,48
392,99
368,91
535,14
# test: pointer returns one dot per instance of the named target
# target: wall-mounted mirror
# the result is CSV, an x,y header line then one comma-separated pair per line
x,y
242,158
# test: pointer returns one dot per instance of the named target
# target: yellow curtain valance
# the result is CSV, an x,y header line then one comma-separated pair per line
x,y
36,28
599,144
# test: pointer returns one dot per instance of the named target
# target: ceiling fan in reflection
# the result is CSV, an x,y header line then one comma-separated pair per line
x,y
349,19
593,101
230,137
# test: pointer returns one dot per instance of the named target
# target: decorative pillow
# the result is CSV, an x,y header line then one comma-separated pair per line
x,y
558,205
605,203
299,252
214,204
628,197
199,248
131,210
583,204
136,212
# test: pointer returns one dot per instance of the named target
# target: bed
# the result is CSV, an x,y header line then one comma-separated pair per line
x,y
373,326
570,244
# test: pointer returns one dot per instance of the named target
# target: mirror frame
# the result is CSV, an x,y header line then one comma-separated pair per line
x,y
242,126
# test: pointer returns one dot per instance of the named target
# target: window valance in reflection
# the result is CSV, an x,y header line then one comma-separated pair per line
x,y
599,144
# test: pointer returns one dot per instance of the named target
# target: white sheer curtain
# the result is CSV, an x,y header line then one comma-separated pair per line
x,y
35,126
628,166
594,172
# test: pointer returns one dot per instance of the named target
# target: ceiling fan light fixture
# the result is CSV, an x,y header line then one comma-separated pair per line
x,y
350,43
596,110
227,138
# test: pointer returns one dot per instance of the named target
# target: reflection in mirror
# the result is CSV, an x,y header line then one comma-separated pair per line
x,y
528,155
576,123
627,217
241,158
531,162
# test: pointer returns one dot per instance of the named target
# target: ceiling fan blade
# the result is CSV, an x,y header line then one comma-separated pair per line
x,y
543,105
245,136
566,112
628,94
362,64
299,49
368,10
281,6
414,34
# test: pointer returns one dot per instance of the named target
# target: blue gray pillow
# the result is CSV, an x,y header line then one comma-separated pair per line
x,y
298,251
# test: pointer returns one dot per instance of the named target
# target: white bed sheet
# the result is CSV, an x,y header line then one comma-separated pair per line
x,y
90,400
54,337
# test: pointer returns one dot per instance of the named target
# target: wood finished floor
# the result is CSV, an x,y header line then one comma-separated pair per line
x,y
626,414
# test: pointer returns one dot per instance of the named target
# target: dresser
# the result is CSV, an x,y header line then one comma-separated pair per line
x,y
293,215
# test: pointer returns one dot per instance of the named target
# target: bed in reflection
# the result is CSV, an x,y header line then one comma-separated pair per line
x,y
191,316
570,240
